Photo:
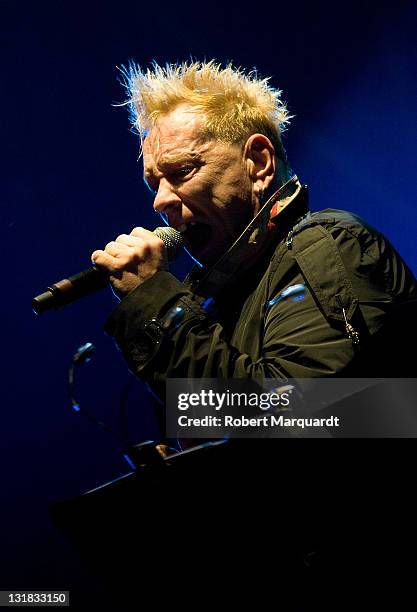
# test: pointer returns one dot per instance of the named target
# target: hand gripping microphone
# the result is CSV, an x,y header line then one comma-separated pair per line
x,y
92,279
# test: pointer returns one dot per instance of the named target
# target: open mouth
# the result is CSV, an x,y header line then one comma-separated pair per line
x,y
197,236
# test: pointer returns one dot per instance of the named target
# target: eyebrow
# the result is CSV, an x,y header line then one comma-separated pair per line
x,y
170,159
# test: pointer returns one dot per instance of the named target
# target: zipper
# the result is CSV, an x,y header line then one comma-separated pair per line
x,y
351,332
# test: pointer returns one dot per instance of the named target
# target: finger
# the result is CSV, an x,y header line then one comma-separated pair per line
x,y
104,260
140,245
131,241
150,240
143,233
117,249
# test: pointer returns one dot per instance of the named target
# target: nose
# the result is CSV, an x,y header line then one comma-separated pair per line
x,y
166,199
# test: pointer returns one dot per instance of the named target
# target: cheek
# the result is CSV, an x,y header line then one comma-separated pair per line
x,y
226,192
234,183
222,188
200,190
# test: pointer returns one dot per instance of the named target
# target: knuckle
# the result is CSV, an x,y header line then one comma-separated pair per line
x,y
136,231
118,265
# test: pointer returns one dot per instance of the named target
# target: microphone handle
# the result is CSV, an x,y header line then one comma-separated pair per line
x,y
92,279
70,289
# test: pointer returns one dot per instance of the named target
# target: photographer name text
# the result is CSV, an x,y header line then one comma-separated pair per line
x,y
267,420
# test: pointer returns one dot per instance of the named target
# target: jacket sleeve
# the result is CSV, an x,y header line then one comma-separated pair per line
x,y
164,331
296,341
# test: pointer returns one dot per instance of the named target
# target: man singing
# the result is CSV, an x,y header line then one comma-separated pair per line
x,y
279,292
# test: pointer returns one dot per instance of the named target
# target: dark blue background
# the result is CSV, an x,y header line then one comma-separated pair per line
x,y
71,182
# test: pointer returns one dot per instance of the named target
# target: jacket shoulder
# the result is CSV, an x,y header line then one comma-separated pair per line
x,y
377,272
343,219
362,242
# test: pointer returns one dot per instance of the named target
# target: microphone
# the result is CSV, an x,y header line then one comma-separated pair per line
x,y
93,279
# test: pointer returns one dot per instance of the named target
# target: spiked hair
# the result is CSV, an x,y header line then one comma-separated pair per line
x,y
234,103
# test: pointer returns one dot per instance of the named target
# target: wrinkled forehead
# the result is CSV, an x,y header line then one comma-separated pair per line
x,y
175,133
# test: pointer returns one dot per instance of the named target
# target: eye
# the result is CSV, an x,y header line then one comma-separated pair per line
x,y
182,173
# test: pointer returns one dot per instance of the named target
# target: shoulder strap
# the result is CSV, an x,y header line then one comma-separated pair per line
x,y
320,262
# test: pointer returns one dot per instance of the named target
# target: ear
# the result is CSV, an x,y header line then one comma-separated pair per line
x,y
259,155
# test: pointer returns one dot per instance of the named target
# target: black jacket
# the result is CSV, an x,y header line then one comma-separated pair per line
x,y
299,295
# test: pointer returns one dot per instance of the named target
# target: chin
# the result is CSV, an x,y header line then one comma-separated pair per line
x,y
209,254
204,245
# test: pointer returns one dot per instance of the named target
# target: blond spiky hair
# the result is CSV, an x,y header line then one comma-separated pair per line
x,y
234,103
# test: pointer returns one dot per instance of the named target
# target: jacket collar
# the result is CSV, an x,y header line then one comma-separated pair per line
x,y
277,216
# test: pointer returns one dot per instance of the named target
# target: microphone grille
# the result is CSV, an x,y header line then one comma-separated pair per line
x,y
172,239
